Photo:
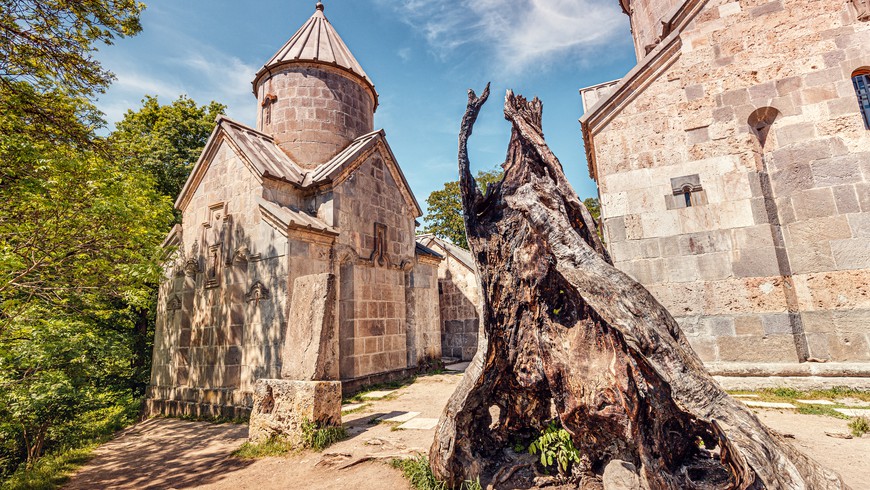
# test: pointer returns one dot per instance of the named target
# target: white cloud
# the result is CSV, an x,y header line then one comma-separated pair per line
x,y
518,34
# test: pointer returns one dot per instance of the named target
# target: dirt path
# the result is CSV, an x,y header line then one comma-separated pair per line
x,y
168,453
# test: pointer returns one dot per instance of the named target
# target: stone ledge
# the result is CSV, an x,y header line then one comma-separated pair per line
x,y
796,370
801,383
178,408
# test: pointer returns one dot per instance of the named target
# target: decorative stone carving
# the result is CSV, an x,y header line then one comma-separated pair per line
x,y
242,256
191,267
257,293
212,279
863,8
174,303
379,254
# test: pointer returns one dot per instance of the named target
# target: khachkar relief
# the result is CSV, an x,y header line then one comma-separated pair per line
x,y
174,303
257,293
379,253
863,8
217,230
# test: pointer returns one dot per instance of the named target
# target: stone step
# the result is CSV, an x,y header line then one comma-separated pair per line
x,y
759,404
854,412
377,395
816,402
352,406
419,423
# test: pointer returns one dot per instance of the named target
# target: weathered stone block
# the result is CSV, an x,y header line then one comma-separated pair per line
x,y
851,254
311,346
280,407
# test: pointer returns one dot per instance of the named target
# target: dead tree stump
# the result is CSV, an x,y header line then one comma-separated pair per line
x,y
569,336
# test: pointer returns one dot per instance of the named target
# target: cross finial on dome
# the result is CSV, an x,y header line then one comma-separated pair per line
x,y
319,6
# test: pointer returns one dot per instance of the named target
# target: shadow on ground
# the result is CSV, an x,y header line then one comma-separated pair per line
x,y
164,453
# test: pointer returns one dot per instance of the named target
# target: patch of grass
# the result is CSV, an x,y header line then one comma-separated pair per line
x,y
313,437
859,426
320,438
790,395
820,410
275,446
419,475
355,410
49,472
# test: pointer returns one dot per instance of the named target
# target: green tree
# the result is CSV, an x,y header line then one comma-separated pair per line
x,y
594,207
46,52
444,208
166,140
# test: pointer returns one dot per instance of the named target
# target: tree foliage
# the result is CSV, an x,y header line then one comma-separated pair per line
x,y
444,208
46,52
166,140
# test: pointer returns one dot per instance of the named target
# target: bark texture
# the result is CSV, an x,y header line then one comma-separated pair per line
x,y
567,335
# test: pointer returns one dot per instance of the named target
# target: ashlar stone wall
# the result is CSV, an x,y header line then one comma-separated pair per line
x,y
375,249
734,174
223,303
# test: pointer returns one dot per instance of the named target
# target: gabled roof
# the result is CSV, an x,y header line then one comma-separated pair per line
x,y
258,150
345,159
288,218
421,249
317,42
460,254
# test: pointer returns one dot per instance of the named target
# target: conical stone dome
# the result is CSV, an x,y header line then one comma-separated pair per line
x,y
314,97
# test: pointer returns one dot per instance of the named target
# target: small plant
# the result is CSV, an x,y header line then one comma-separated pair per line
x,y
275,446
859,426
419,474
556,447
319,438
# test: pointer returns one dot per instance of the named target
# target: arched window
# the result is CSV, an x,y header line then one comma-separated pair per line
x,y
861,82
687,195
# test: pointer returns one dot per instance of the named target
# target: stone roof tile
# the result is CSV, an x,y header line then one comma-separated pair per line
x,y
317,41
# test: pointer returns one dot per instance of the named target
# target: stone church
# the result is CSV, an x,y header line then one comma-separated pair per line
x,y
733,166
313,191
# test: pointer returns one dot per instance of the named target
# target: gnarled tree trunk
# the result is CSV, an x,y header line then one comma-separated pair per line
x,y
569,335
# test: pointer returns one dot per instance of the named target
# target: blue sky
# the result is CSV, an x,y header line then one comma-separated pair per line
x,y
422,55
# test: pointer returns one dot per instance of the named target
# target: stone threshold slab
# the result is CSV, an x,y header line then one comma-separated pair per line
x,y
402,417
419,423
758,404
377,395
816,402
854,412
351,407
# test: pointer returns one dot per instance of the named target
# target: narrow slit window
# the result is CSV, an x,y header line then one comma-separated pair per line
x,y
861,82
687,195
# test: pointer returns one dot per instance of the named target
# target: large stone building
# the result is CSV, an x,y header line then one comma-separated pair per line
x,y
459,298
733,165
313,192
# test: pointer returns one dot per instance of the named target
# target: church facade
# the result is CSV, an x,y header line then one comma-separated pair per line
x,y
314,189
733,165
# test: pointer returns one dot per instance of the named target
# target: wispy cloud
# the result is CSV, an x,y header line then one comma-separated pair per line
x,y
199,71
517,34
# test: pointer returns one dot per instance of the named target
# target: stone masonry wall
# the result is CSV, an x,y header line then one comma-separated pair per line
x,y
422,310
771,262
460,316
372,312
316,111
213,339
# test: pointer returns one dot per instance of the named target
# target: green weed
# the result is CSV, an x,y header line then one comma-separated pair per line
x,y
419,475
555,447
859,426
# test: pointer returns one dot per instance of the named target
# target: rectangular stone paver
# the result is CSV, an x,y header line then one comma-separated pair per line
x,y
758,404
745,396
402,417
816,402
459,366
420,423
352,406
375,395
854,412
